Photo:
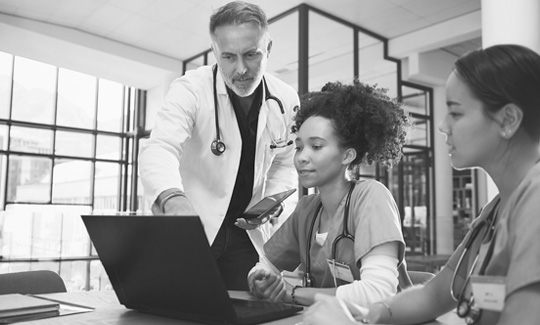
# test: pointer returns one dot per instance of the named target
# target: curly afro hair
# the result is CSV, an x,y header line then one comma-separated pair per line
x,y
364,118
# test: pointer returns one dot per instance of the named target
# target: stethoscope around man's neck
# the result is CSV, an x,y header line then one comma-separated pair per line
x,y
307,280
218,146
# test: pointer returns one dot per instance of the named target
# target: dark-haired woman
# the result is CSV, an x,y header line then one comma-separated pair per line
x,y
338,129
493,122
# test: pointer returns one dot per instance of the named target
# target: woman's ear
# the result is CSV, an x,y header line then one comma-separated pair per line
x,y
349,156
510,118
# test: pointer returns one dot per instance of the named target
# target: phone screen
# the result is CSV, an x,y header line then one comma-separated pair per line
x,y
267,205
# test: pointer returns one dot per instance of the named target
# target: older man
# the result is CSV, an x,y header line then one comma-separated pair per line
x,y
222,140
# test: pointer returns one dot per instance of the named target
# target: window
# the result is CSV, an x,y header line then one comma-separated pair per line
x,y
66,149
417,172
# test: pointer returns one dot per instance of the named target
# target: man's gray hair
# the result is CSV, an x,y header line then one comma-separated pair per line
x,y
237,13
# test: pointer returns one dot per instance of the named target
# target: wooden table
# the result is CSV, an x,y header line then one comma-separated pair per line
x,y
109,311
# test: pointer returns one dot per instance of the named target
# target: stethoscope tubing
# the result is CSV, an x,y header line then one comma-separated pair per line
x,y
345,231
466,248
344,234
468,312
218,146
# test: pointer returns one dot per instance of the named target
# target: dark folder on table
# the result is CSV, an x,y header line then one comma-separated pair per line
x,y
163,265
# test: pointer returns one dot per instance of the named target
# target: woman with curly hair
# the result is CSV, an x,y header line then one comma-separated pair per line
x,y
338,129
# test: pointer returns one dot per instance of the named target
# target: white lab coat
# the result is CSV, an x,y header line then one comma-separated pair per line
x,y
178,155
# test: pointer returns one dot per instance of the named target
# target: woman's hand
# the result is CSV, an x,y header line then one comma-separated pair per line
x,y
328,310
266,285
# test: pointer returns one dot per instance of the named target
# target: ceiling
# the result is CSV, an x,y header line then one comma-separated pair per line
x,y
143,43
179,28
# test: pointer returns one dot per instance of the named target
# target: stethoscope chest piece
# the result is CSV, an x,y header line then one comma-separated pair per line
x,y
307,281
218,147
468,311
463,308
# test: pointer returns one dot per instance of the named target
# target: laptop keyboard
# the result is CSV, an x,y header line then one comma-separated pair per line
x,y
250,308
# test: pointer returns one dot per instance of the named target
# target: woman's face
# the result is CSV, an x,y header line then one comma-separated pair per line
x,y
471,135
319,160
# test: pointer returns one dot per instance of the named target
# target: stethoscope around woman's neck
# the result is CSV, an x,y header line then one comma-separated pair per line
x,y
465,306
307,280
217,146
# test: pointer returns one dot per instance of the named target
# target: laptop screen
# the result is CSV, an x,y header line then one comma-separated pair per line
x,y
162,264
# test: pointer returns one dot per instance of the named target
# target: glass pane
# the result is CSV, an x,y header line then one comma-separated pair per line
x,y
34,91
373,68
419,133
108,147
29,179
130,126
330,52
14,267
463,203
74,144
283,60
393,182
75,275
4,134
3,174
31,140
415,196
106,191
110,106
129,179
368,170
75,240
141,204
210,58
76,99
32,231
72,181
6,66
52,266
195,63
144,208
98,277
415,100
407,150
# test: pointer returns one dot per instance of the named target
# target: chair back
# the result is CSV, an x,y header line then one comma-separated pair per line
x,y
31,282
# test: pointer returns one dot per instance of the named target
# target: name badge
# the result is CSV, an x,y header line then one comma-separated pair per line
x,y
340,271
489,292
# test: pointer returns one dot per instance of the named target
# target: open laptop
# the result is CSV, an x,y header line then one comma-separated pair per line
x,y
163,265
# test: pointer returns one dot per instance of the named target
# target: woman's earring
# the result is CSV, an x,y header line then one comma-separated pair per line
x,y
505,134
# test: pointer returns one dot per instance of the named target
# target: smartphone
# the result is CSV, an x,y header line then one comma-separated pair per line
x,y
267,205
